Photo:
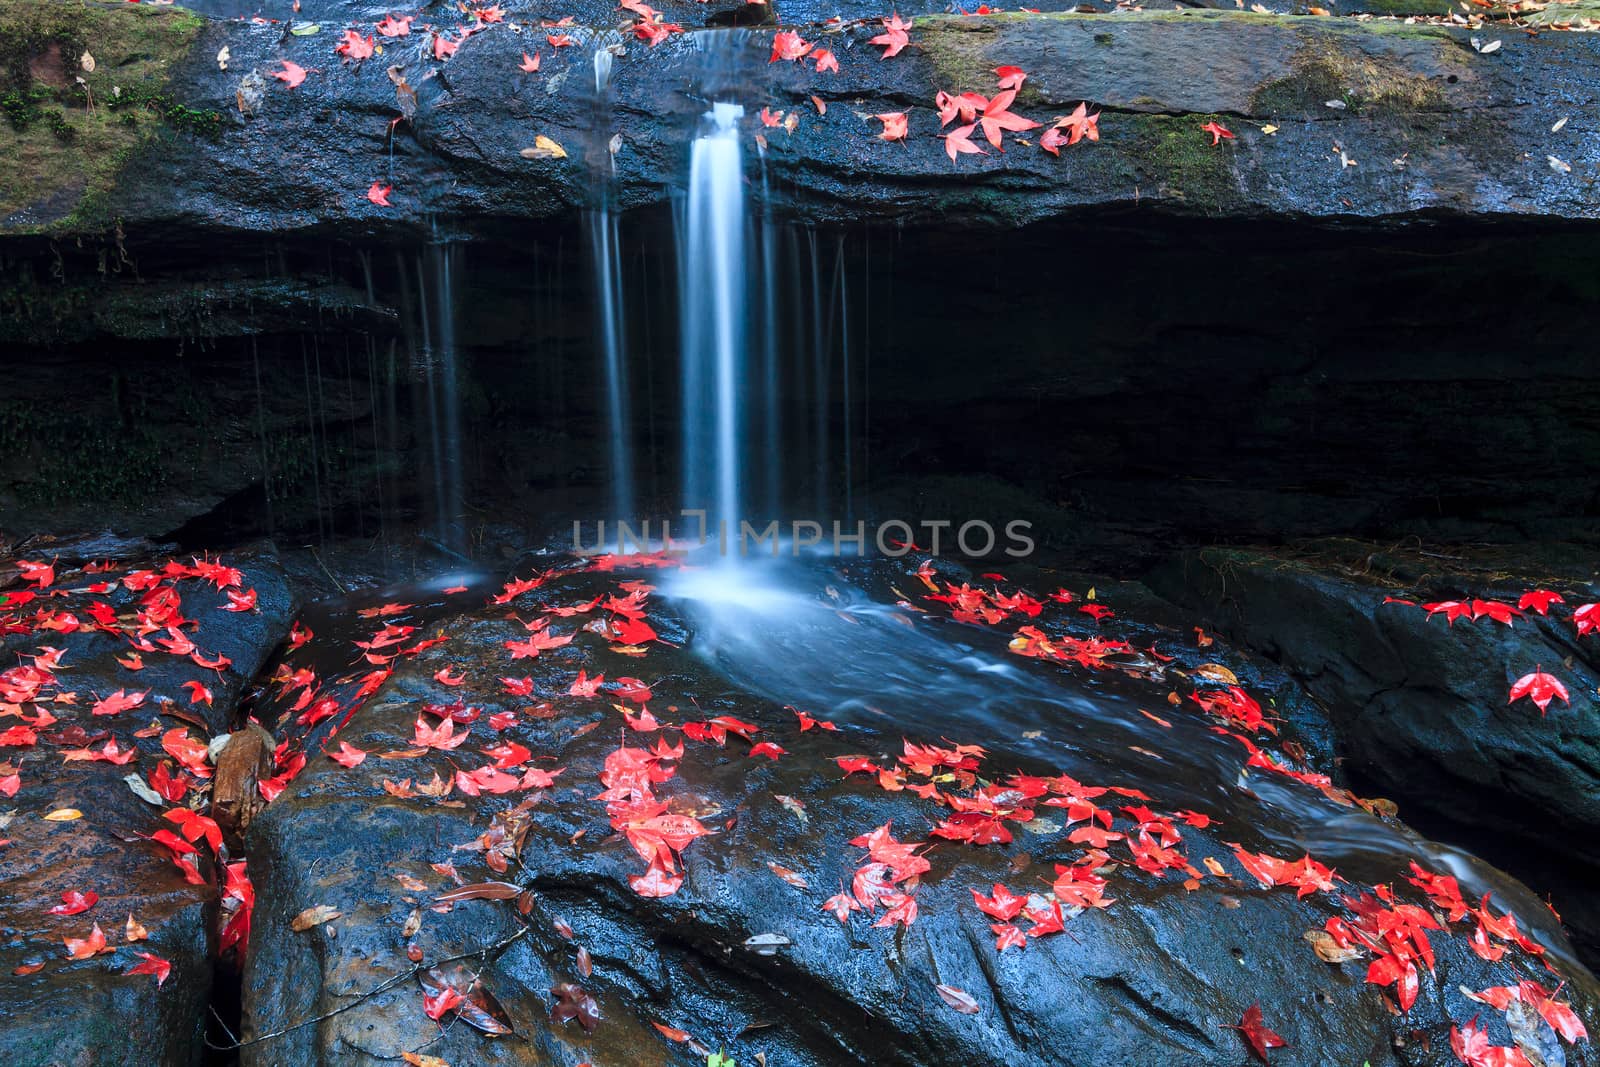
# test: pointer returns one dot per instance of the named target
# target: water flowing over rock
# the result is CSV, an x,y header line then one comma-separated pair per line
x,y
558,914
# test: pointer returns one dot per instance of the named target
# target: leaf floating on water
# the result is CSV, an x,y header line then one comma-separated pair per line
x,y
959,999
305,29
1559,124
313,916
544,148
1559,165
63,815
1216,672
419,1060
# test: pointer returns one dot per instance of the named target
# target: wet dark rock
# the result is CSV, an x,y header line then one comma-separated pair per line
x,y
1429,126
1420,707
72,1013
1157,977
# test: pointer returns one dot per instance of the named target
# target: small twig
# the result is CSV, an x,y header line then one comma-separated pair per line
x,y
325,570
386,984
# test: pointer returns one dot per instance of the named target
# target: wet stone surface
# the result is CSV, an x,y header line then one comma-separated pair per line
x,y
1415,655
79,852
647,869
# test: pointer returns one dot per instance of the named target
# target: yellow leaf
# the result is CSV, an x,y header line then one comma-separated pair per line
x,y
544,148
1269,129
64,815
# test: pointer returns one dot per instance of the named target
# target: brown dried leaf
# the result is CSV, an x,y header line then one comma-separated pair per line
x,y
574,1002
1216,672
1328,950
482,891
313,916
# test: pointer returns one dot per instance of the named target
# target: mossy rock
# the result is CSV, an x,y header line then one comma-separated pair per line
x,y
82,86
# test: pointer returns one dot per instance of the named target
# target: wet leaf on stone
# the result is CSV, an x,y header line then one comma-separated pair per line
x,y
313,916
959,999
482,891
477,1007
544,148
574,1002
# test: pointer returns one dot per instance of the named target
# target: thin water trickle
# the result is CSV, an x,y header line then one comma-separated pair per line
x,y
713,271
606,255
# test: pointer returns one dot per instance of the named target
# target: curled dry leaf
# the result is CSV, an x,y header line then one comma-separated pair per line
x,y
1216,672
1328,950
313,916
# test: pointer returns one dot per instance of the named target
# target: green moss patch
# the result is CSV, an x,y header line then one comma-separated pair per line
x,y
70,129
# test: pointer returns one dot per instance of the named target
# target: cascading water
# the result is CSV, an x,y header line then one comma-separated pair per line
x,y
713,316
606,254
434,358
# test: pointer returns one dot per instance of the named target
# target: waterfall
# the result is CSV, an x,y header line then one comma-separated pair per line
x,y
437,269
605,252
713,270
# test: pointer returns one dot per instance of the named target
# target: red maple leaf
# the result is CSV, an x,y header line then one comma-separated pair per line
x,y
826,60
1256,1033
959,141
1471,1046
788,45
354,46
291,75
893,37
997,116
74,902
152,964
895,125
1539,600
1587,618
1003,904
1011,77
1539,687
1217,132
379,194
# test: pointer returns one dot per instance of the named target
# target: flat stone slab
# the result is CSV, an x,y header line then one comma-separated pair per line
x,y
1334,118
